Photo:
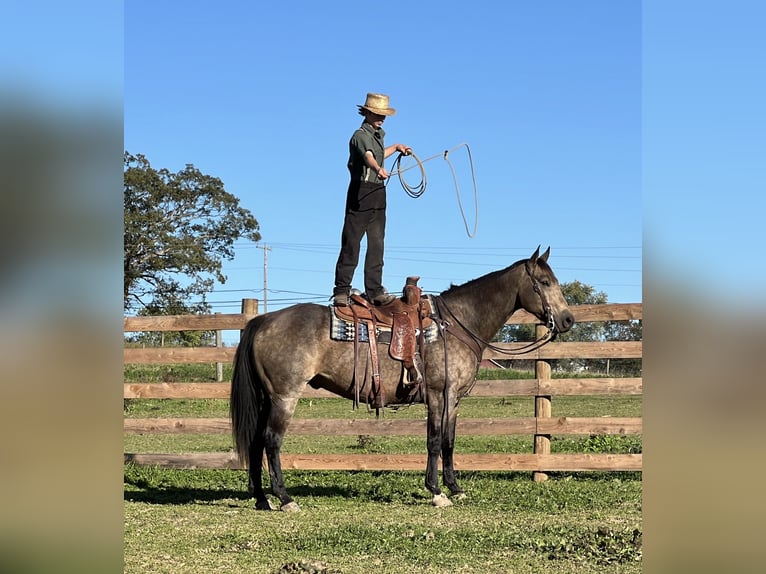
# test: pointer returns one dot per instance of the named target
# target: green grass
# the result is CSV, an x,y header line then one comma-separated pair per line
x,y
206,372
354,522
470,407
203,521
186,373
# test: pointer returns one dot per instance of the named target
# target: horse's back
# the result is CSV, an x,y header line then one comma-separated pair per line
x,y
293,345
294,315
302,323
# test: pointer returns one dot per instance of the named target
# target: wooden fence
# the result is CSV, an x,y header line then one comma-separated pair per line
x,y
542,425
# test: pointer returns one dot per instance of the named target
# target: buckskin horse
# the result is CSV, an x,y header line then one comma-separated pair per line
x,y
283,351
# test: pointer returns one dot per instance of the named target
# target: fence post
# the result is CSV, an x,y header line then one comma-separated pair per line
x,y
542,407
249,307
218,344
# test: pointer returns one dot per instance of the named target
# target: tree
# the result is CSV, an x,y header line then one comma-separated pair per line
x,y
170,338
624,331
577,293
178,229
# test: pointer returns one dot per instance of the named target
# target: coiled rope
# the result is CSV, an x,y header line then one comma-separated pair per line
x,y
417,190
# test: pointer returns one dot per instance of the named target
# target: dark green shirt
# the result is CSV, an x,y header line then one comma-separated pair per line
x,y
366,138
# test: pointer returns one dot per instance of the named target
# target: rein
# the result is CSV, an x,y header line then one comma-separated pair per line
x,y
476,341
533,346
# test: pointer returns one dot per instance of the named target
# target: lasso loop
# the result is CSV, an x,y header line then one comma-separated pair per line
x,y
413,191
418,190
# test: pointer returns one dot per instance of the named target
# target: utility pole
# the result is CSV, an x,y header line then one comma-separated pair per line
x,y
266,250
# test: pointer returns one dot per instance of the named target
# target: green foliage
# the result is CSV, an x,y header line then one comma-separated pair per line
x,y
602,545
178,228
577,293
624,331
495,374
597,444
612,444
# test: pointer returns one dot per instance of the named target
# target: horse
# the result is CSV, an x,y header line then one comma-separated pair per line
x,y
282,351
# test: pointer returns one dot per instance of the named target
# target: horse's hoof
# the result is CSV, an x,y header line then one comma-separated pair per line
x,y
441,501
290,507
459,495
263,505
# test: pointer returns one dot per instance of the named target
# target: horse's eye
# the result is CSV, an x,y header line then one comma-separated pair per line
x,y
545,282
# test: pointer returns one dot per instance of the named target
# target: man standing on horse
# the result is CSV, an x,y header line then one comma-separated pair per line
x,y
366,204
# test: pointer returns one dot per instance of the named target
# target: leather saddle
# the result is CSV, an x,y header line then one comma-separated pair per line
x,y
404,318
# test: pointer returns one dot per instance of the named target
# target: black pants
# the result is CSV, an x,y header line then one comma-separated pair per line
x,y
365,215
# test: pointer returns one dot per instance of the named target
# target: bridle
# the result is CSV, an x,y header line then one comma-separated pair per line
x,y
550,324
549,321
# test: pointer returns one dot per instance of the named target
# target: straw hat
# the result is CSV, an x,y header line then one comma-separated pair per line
x,y
377,104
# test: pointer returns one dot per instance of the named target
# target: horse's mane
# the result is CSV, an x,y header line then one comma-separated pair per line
x,y
488,277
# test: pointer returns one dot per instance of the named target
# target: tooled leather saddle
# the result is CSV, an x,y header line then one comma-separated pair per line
x,y
406,318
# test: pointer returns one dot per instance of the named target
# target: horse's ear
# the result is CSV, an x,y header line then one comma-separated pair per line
x,y
544,256
535,255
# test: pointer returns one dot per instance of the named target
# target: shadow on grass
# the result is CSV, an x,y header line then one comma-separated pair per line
x,y
152,494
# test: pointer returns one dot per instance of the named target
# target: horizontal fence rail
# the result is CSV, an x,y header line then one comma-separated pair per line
x,y
490,388
540,426
237,321
501,462
598,350
353,427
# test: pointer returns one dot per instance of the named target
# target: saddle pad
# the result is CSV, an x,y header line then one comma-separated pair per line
x,y
342,330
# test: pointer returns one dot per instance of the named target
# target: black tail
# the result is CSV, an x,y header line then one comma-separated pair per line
x,y
249,403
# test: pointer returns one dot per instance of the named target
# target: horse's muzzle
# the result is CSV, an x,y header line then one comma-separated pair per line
x,y
564,321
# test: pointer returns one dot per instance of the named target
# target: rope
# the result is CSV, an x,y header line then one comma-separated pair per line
x,y
420,188
417,190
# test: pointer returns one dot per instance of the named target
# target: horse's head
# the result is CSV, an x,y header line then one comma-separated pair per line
x,y
542,296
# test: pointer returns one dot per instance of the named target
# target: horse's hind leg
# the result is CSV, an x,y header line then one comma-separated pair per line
x,y
255,470
279,418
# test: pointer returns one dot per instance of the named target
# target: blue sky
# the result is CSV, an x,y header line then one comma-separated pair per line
x,y
546,95
625,135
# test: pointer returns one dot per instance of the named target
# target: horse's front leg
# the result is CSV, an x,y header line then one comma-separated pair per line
x,y
279,419
448,452
434,447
